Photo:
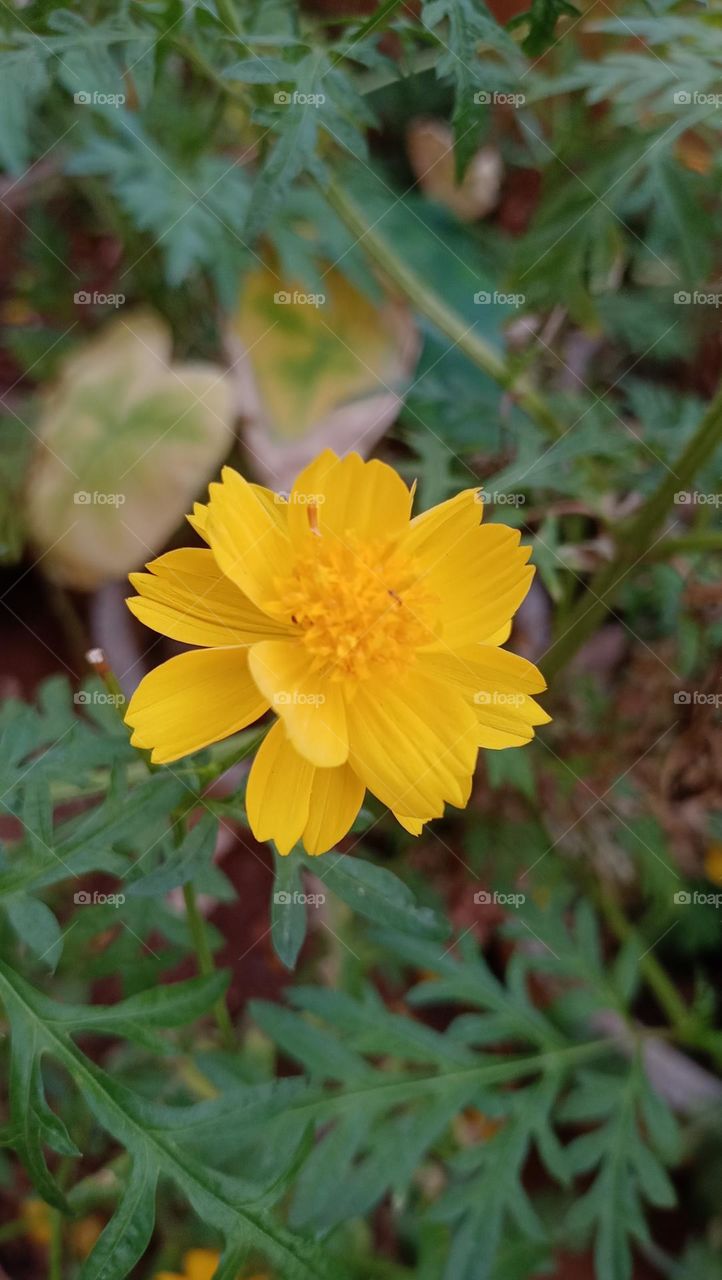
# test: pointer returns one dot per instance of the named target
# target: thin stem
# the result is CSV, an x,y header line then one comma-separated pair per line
x,y
55,1262
196,925
635,542
376,20
430,304
687,545
227,13
683,1020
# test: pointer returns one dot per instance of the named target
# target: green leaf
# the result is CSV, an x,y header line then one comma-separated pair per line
x,y
188,861
36,926
377,894
289,916
152,1136
542,19
126,1237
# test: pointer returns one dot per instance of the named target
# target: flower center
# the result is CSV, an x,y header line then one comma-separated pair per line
x,y
359,607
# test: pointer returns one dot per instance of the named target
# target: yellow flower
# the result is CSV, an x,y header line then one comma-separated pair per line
x,y
373,637
199,1264
713,863
36,1216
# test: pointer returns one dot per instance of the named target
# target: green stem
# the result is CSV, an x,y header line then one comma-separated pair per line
x,y
688,544
430,304
227,13
55,1262
376,20
635,542
686,1026
206,966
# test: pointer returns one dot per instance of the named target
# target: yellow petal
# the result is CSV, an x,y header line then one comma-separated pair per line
x,y
436,532
247,533
279,791
311,707
479,583
498,637
199,519
412,743
336,796
414,826
201,1264
498,683
192,700
347,498
185,596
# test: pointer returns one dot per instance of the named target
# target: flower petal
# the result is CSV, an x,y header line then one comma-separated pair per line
x,y
185,596
498,683
412,747
414,826
311,707
349,498
247,533
279,791
192,700
336,796
436,532
199,519
479,583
